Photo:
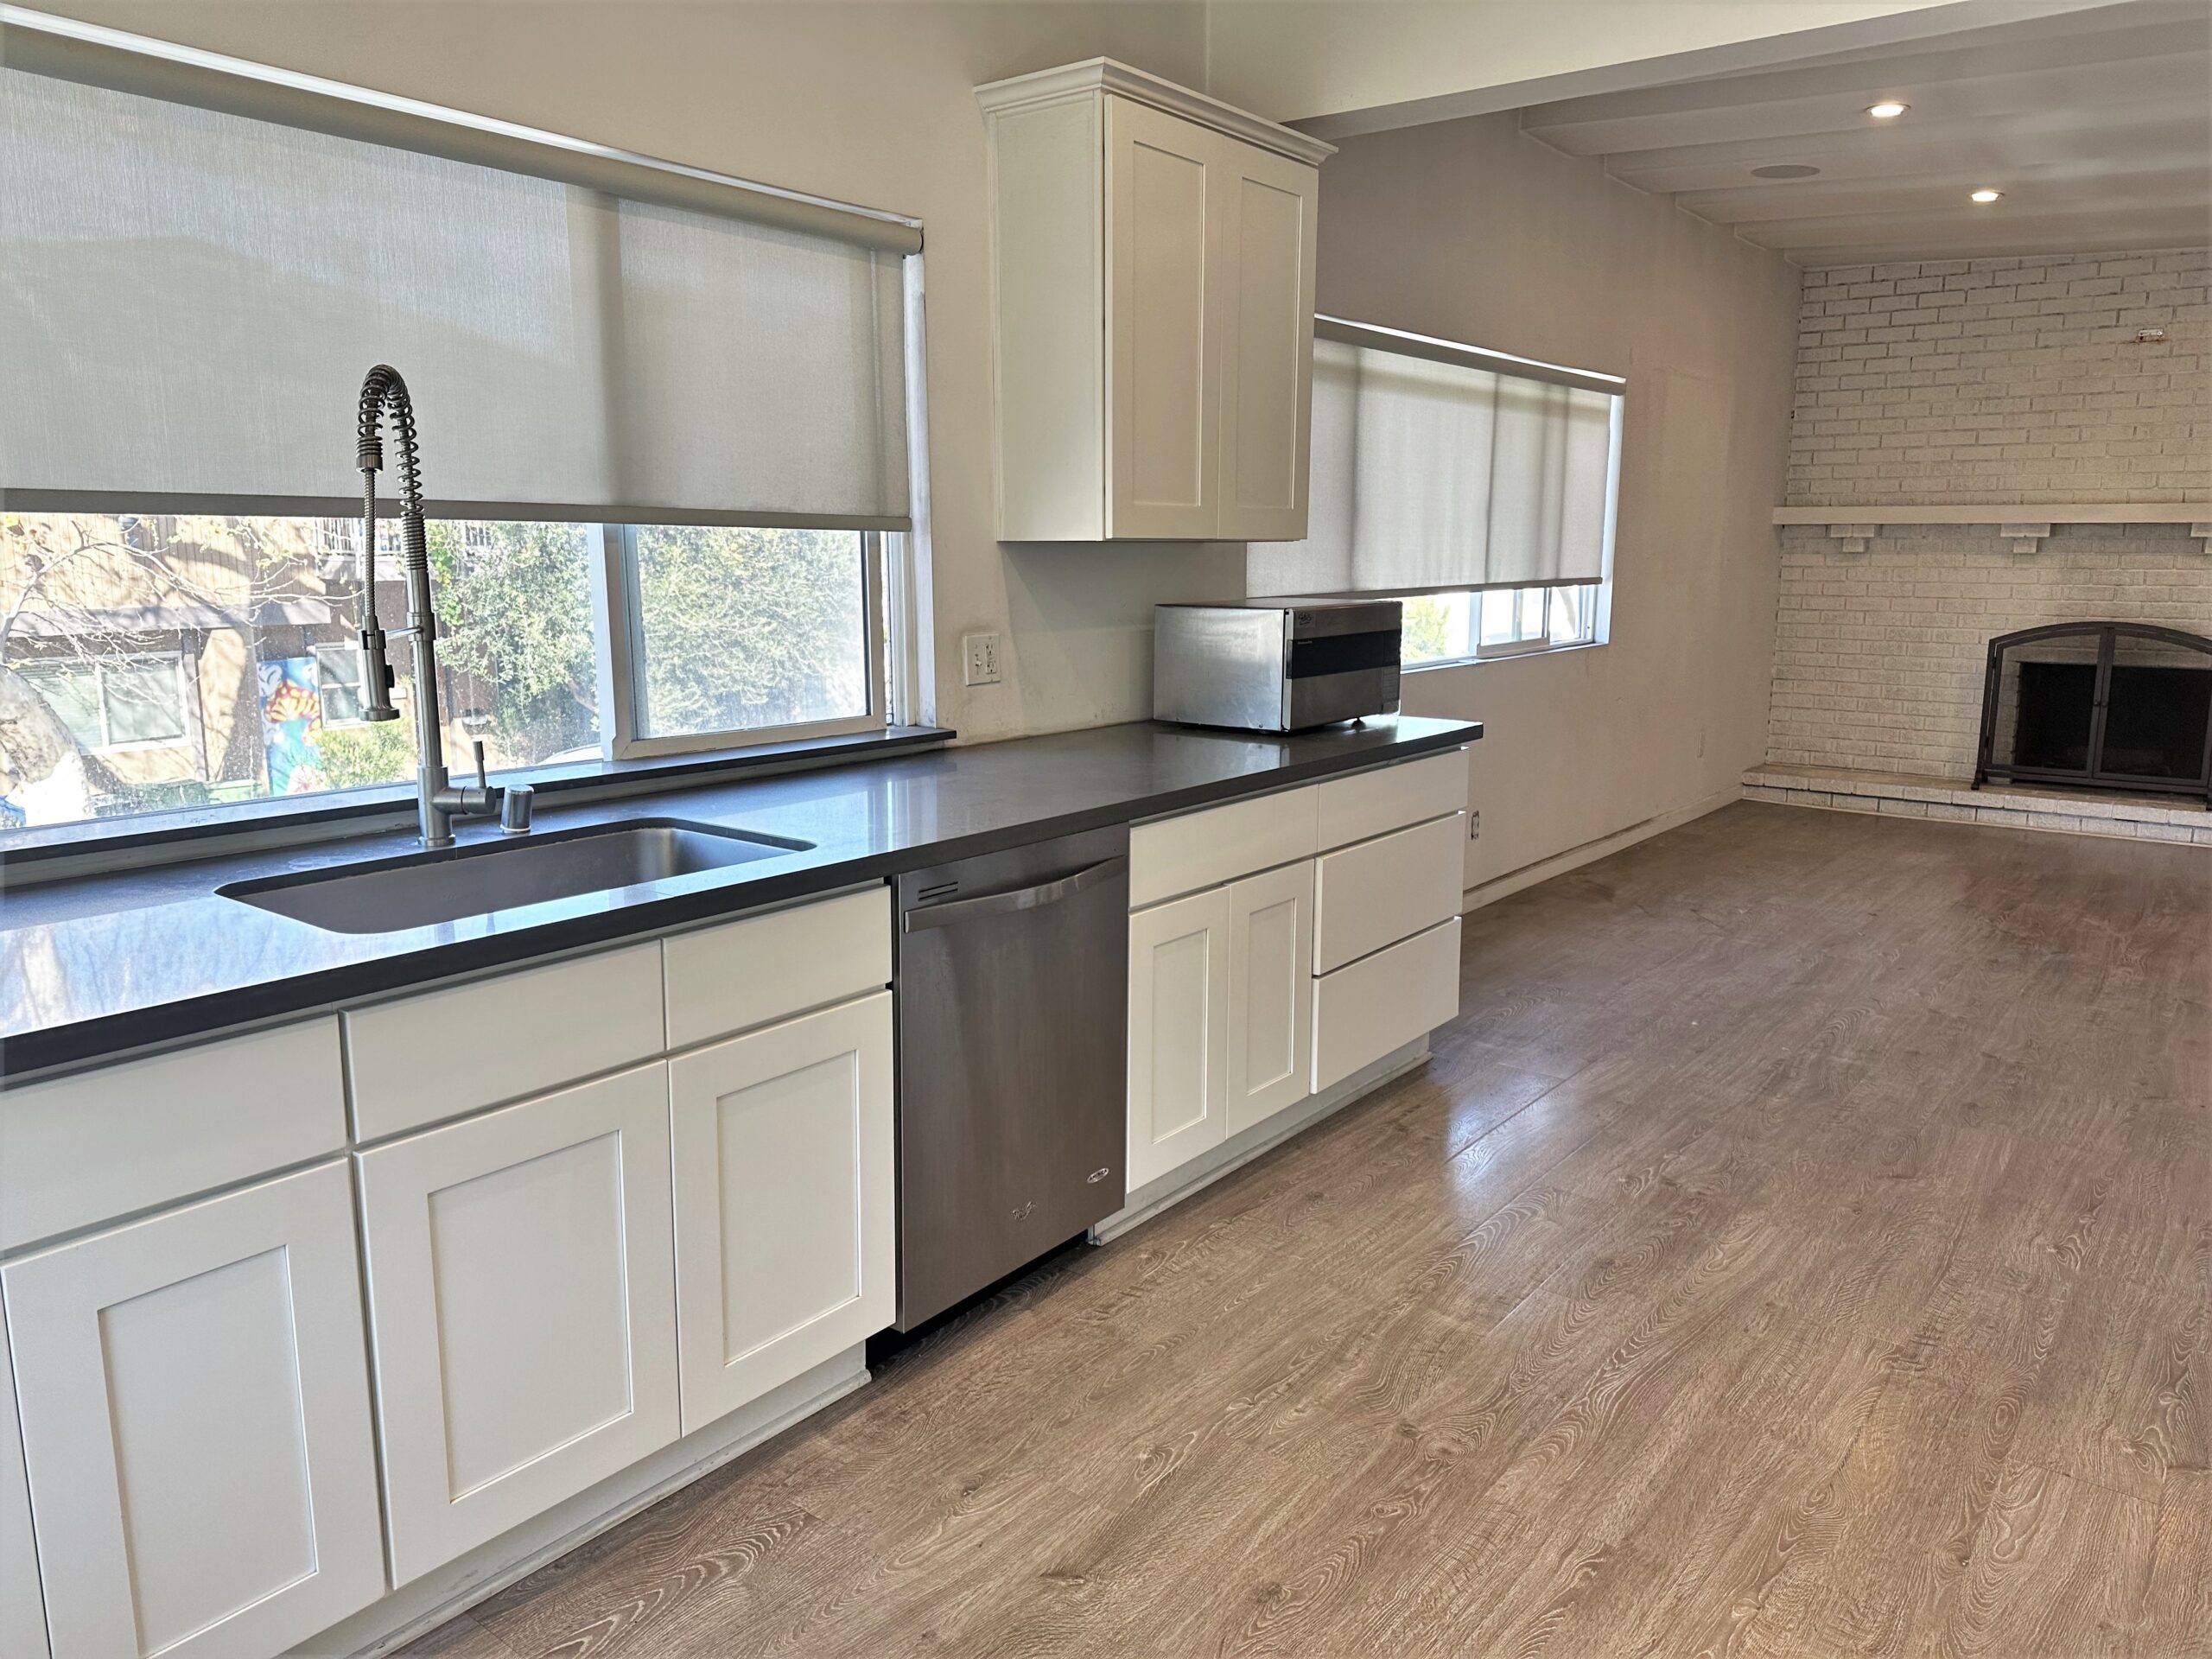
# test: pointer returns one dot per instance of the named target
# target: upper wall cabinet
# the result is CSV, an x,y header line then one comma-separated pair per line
x,y
1152,330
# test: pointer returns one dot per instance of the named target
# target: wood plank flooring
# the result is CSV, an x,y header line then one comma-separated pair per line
x,y
1801,1244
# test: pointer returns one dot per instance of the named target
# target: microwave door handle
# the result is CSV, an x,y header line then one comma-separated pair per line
x,y
1000,904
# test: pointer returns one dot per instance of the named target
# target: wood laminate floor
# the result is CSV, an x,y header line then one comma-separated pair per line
x,y
1801,1244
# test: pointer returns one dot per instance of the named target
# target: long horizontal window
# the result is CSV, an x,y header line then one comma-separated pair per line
x,y
152,662
1458,627
1480,486
662,417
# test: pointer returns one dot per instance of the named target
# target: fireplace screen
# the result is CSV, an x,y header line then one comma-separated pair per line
x,y
2100,705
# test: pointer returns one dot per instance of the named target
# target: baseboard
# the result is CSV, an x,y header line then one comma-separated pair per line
x,y
1589,852
417,1608
1205,1170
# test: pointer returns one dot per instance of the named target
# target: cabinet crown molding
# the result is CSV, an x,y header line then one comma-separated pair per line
x,y
1106,75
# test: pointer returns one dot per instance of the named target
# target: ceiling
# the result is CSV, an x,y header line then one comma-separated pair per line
x,y
2095,124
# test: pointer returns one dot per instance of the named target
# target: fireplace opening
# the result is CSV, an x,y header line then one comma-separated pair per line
x,y
2119,706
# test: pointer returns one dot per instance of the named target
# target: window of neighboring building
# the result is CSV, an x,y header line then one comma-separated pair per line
x,y
1478,488
115,702
338,683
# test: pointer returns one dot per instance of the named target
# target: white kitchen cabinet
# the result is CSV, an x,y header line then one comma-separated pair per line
x,y
22,1603
785,1242
1265,247
1270,993
1381,1001
195,1411
1153,262
1375,892
521,1290
1179,1033
1164,304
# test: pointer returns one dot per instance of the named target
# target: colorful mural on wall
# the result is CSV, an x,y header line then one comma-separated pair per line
x,y
291,725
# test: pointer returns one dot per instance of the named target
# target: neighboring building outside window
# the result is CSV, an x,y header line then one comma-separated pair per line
x,y
112,634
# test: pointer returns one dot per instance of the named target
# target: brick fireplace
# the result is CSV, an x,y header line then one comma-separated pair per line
x,y
1992,381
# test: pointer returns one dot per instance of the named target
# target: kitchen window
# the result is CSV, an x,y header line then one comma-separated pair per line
x,y
1466,626
663,420
1479,488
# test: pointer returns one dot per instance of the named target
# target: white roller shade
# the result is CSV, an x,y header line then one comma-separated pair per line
x,y
1431,471
189,296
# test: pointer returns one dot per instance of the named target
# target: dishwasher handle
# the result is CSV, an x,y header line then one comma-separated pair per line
x,y
1001,904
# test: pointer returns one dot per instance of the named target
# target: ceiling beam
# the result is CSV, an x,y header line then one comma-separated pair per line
x,y
1840,240
2085,140
2177,189
2167,75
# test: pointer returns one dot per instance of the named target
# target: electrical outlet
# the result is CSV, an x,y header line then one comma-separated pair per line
x,y
1474,825
982,652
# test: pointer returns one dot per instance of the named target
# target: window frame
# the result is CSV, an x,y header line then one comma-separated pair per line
x,y
1597,632
174,661
619,624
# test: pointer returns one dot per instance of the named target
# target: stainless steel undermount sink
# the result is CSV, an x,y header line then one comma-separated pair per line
x,y
423,889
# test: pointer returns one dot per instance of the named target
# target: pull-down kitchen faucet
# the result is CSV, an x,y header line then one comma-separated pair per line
x,y
438,801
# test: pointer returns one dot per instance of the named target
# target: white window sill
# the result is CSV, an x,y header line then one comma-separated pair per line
x,y
1502,657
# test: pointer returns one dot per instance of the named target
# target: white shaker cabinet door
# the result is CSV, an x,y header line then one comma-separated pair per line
x,y
522,1290
1270,993
23,1604
786,1247
1163,316
195,1410
1179,1033
1265,262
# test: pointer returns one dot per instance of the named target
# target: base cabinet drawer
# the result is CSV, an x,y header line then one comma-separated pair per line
x,y
415,1059
1383,1001
1374,803
196,1408
78,1151
1203,850
786,1242
1387,889
521,1281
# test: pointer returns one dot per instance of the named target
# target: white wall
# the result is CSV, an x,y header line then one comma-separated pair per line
x,y
1468,230
864,103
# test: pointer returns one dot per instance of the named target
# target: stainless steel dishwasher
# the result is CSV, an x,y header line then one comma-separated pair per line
x,y
1012,974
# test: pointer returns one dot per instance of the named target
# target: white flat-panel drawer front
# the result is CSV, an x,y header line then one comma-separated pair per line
x,y
418,1060
1383,1001
1381,891
1203,849
80,1150
746,973
1375,803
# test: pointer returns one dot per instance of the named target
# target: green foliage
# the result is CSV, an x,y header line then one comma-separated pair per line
x,y
354,757
746,628
516,606
1427,628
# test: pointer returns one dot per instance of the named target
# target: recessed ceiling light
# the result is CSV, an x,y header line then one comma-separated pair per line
x,y
1987,196
1784,170
1887,110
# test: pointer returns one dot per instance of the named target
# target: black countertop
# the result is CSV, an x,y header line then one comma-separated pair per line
x,y
101,964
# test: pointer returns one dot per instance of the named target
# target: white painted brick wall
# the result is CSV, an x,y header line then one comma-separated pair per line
x,y
1878,656
2012,380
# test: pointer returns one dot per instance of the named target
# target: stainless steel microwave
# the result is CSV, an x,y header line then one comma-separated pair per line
x,y
1269,667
